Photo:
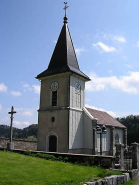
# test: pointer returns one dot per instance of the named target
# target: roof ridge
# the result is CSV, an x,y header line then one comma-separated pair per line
x,y
97,110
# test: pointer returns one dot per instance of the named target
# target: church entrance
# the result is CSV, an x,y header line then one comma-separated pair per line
x,y
52,143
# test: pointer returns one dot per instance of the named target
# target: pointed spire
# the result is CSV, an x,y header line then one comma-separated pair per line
x,y
63,58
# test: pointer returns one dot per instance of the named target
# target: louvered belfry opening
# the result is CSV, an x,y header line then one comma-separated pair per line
x,y
54,98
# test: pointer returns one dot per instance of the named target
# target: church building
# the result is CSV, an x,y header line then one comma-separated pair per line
x,y
65,125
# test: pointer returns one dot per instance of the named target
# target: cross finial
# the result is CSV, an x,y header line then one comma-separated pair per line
x,y
65,8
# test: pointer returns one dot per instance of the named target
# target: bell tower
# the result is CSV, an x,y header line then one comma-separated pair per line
x,y
60,114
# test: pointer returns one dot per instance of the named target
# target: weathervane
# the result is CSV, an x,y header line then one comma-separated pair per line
x,y
65,8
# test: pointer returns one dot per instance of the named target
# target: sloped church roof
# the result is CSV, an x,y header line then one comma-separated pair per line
x,y
103,118
63,58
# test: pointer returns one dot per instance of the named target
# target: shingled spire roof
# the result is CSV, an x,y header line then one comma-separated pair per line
x,y
63,58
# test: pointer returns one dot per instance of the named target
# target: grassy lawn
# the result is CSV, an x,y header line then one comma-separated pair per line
x,y
18,169
131,182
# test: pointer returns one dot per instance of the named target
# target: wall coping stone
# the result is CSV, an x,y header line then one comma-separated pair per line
x,y
114,179
23,140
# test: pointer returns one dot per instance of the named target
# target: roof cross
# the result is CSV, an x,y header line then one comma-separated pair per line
x,y
65,8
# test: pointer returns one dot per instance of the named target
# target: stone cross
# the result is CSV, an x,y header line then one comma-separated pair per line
x,y
11,126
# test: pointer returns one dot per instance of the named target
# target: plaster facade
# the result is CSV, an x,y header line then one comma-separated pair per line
x,y
59,127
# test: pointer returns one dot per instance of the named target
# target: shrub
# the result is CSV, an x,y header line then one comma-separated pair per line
x,y
39,155
33,155
46,156
52,157
60,158
65,159
27,152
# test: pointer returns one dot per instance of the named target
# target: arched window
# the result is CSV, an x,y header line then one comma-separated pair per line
x,y
116,138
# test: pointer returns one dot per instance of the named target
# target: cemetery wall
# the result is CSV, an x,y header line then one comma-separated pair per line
x,y
19,144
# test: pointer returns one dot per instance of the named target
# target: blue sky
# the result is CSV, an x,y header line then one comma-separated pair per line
x,y
105,35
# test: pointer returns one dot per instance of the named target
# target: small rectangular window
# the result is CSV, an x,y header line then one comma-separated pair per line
x,y
54,98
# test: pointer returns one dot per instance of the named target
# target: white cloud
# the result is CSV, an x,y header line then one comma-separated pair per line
x,y
113,114
110,71
87,99
3,88
104,47
6,119
98,63
15,93
138,43
26,86
19,109
21,125
125,114
36,88
27,113
119,39
17,124
102,35
127,65
79,50
125,57
128,84
108,36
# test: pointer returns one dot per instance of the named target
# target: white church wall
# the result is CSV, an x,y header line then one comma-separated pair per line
x,y
120,133
88,132
76,99
75,129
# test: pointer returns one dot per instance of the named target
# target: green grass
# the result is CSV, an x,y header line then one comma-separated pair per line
x,y
131,182
18,169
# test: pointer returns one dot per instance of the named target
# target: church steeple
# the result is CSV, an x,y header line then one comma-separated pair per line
x,y
62,99
63,58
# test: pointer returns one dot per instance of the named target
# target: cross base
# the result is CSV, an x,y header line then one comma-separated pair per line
x,y
10,146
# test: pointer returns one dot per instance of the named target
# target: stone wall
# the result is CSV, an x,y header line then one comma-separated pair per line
x,y
19,144
116,179
111,180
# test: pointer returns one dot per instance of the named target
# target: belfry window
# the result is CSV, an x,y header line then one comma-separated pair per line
x,y
54,98
54,93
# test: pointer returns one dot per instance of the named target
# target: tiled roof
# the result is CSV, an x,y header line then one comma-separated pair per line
x,y
104,118
63,58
